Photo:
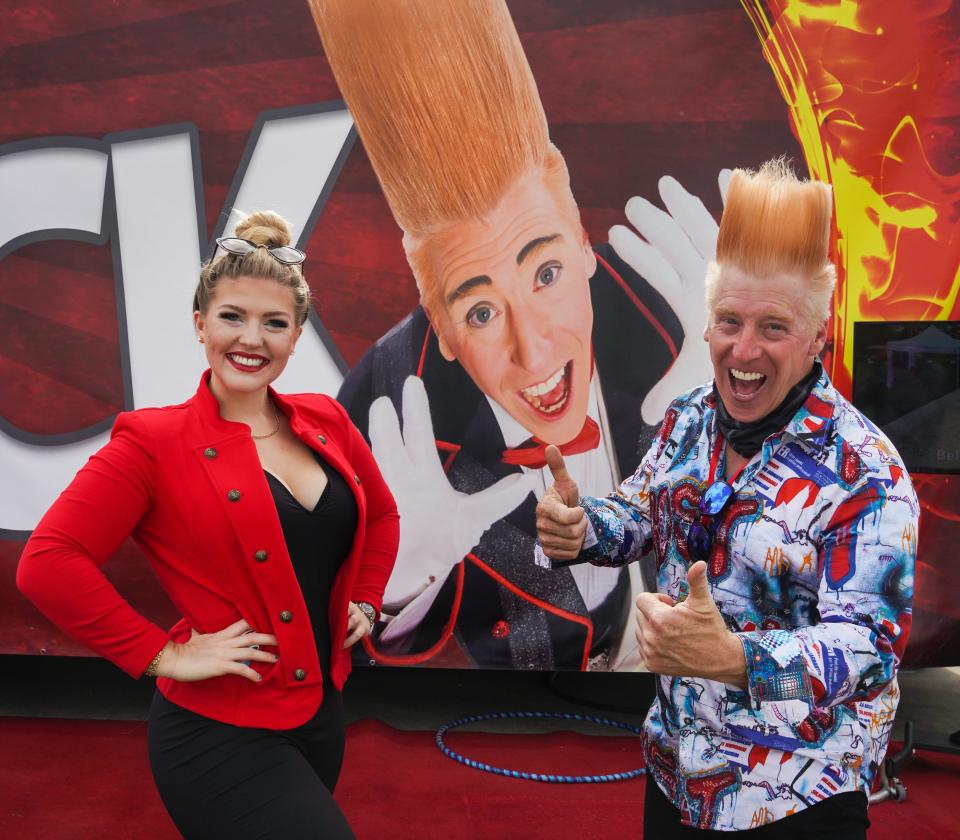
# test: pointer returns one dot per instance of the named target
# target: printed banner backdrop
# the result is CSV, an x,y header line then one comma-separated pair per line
x,y
129,131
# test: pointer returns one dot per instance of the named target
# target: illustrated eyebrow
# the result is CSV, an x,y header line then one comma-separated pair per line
x,y
467,285
535,244
484,280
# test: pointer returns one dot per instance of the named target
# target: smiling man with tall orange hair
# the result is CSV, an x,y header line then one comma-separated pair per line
x,y
776,512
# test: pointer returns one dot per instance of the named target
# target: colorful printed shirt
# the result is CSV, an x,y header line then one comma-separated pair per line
x,y
811,565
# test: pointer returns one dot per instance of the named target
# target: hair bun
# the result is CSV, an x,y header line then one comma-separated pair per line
x,y
264,228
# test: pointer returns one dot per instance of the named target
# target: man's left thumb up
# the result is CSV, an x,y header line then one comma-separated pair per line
x,y
698,597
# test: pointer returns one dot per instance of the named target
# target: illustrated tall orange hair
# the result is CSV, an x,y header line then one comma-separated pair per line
x,y
446,107
774,223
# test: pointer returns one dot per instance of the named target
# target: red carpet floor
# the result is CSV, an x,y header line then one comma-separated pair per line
x,y
80,780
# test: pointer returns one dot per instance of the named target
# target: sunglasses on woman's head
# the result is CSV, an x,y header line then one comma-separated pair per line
x,y
700,536
285,254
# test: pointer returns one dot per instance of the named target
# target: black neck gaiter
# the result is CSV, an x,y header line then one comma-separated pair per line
x,y
747,438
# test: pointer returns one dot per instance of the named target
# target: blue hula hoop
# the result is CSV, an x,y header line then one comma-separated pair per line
x,y
538,777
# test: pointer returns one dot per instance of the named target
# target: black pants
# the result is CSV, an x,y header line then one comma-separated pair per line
x,y
241,783
840,817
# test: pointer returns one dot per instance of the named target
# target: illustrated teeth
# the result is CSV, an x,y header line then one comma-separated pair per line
x,y
534,391
553,409
749,376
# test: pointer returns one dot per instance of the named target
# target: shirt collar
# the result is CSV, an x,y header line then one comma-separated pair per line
x,y
813,422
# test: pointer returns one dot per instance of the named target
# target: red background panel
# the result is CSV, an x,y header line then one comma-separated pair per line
x,y
633,91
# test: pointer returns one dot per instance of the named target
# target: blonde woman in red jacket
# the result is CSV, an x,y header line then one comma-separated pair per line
x,y
267,522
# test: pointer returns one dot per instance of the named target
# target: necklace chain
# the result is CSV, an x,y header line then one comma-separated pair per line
x,y
276,428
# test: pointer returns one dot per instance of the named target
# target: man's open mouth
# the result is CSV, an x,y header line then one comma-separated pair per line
x,y
745,383
246,363
551,395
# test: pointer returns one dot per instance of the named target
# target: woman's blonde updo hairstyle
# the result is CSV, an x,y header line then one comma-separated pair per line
x,y
262,228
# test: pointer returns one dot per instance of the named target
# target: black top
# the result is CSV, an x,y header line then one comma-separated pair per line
x,y
318,541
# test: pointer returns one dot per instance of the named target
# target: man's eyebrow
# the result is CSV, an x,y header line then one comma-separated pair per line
x,y
484,280
467,285
534,244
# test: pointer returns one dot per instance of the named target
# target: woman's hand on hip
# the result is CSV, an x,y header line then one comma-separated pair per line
x,y
208,655
358,625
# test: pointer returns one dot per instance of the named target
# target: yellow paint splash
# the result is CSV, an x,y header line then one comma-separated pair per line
x,y
856,77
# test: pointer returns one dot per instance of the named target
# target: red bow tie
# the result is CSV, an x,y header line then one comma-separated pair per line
x,y
532,453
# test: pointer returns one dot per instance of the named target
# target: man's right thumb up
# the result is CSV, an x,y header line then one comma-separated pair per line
x,y
564,484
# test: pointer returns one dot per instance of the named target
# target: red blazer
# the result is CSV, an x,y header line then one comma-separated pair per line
x,y
189,487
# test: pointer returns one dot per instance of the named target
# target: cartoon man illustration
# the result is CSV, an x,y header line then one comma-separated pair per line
x,y
526,335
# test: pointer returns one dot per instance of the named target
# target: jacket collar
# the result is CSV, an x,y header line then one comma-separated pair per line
x,y
209,409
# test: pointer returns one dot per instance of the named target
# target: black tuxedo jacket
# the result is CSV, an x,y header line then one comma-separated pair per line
x,y
496,608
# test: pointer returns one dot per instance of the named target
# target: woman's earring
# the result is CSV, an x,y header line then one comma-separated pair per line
x,y
200,339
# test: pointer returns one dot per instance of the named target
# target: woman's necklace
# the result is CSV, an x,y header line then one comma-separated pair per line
x,y
276,416
276,428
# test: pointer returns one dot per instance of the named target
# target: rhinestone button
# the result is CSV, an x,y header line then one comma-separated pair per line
x,y
234,495
210,452
286,616
260,555
299,675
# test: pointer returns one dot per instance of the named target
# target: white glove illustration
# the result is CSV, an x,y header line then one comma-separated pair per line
x,y
438,525
672,253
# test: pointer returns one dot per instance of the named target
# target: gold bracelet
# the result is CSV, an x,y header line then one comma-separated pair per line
x,y
152,667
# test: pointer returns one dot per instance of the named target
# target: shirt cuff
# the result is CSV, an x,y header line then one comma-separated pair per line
x,y
589,542
776,669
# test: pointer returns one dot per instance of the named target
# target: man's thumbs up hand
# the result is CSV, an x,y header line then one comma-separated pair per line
x,y
689,638
698,597
561,522
565,486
